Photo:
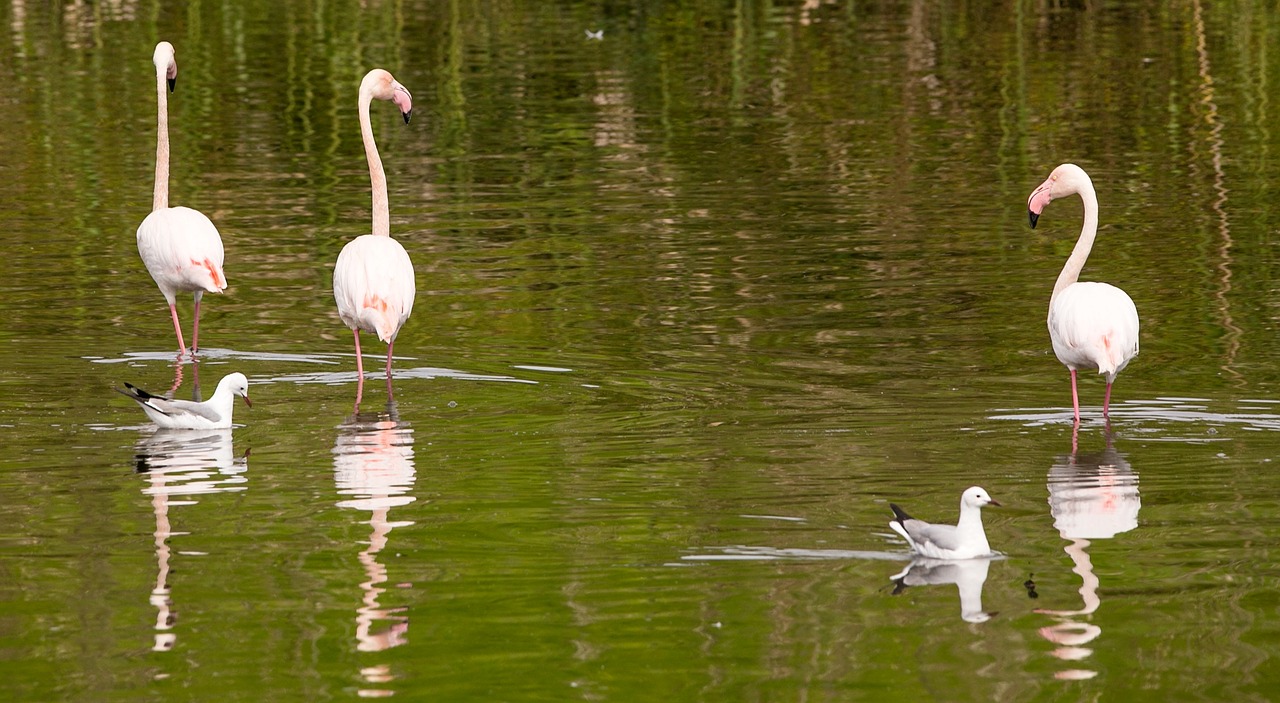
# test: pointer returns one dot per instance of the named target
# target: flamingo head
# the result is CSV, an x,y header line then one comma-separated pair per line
x,y
380,84
1065,180
165,61
977,497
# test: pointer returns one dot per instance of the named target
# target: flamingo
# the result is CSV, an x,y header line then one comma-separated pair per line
x,y
373,281
1093,326
180,246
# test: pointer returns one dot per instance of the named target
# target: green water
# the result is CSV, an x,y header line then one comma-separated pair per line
x,y
696,300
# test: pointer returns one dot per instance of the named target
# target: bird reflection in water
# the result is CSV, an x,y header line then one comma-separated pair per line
x,y
373,464
1091,496
968,575
180,464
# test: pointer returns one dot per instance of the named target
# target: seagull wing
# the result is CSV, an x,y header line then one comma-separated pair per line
x,y
170,408
938,536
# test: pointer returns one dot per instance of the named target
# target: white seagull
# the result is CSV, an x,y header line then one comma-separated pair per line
x,y
212,414
964,540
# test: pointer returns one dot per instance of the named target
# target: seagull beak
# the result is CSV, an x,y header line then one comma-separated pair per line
x,y
993,501
246,402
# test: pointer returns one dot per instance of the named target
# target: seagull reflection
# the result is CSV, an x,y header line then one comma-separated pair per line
x,y
182,463
373,463
967,574
1091,496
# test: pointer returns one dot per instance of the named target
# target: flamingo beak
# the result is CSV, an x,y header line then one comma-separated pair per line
x,y
172,82
404,100
1040,197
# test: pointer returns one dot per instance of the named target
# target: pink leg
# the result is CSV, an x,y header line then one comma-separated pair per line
x,y
195,328
1106,403
1075,397
389,346
177,329
359,371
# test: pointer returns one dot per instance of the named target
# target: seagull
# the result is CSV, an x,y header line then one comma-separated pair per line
x,y
213,414
964,540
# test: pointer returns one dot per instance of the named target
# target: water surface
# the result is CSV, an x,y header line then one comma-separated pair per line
x,y
696,300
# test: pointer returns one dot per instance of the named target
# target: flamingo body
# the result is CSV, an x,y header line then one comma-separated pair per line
x,y
182,251
180,247
373,285
1093,326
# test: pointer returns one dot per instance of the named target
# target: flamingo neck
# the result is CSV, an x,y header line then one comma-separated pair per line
x,y
1088,232
160,196
377,177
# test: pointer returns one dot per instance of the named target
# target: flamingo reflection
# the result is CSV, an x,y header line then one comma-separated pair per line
x,y
1091,496
179,464
373,463
968,575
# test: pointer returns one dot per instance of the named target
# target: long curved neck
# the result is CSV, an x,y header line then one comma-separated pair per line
x,y
377,177
1075,263
160,197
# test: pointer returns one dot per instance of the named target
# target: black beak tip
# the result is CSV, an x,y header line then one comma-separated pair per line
x,y
172,82
407,116
1033,217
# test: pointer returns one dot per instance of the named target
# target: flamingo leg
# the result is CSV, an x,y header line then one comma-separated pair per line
x,y
177,329
359,371
1106,403
1075,397
195,326
389,347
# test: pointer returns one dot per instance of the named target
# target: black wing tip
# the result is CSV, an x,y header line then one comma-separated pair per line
x,y
898,513
1033,217
135,392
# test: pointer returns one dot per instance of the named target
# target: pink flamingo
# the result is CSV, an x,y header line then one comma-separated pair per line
x,y
373,281
180,246
1092,325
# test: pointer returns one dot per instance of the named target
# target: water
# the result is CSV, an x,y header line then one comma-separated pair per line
x,y
696,300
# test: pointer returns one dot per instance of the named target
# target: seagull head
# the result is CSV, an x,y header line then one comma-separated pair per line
x,y
237,384
977,497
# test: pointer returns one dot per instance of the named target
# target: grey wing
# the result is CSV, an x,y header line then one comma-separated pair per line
x,y
178,408
941,536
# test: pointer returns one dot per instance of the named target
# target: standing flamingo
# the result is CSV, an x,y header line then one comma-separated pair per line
x,y
373,279
180,246
1092,325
